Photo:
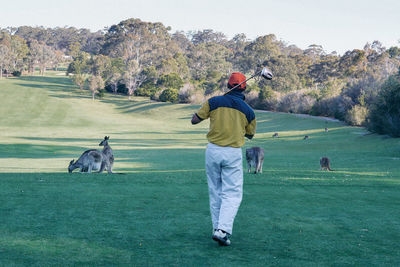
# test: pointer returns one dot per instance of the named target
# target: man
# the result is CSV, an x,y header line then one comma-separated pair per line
x,y
231,119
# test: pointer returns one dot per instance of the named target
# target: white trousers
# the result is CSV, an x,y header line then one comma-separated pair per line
x,y
224,170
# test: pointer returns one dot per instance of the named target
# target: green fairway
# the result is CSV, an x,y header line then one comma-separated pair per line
x,y
157,213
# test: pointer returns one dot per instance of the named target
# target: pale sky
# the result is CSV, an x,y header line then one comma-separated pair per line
x,y
337,25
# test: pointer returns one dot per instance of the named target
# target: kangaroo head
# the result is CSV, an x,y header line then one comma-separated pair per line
x,y
71,166
104,142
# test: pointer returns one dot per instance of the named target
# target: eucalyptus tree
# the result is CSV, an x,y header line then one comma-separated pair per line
x,y
13,52
181,39
208,36
42,55
325,68
4,58
80,68
96,83
206,58
113,74
259,51
353,63
140,45
237,45
285,74
19,51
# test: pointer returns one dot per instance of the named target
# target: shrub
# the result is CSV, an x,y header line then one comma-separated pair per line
x,y
384,117
265,93
197,97
333,107
100,93
267,99
252,98
147,91
16,73
210,87
268,104
357,115
297,102
171,80
185,93
169,95
156,96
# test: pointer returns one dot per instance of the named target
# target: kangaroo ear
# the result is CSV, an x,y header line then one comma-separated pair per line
x,y
107,137
72,162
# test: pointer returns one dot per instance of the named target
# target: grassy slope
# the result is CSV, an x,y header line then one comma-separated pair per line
x,y
292,214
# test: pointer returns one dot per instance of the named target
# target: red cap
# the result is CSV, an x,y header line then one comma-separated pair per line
x,y
235,79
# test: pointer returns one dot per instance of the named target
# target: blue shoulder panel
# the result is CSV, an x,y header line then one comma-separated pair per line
x,y
229,101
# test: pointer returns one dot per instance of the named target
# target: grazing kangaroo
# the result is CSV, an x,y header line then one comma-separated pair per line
x,y
326,130
90,160
107,151
255,158
325,164
275,135
305,137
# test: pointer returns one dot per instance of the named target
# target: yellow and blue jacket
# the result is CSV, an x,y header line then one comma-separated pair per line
x,y
231,119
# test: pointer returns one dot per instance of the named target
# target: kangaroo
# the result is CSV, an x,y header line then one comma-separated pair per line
x,y
90,160
255,157
325,164
326,130
305,137
275,135
107,151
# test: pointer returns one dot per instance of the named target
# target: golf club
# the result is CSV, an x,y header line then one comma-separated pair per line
x,y
265,73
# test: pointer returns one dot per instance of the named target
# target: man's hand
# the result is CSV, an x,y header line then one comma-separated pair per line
x,y
249,136
195,119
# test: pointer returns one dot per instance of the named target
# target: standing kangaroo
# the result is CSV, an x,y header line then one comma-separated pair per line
x,y
325,164
255,157
107,151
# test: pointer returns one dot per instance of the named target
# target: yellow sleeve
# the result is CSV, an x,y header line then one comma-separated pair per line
x,y
251,128
204,111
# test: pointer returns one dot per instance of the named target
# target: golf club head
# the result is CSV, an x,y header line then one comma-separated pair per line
x,y
267,73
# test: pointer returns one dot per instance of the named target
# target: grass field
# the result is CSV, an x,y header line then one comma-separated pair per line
x,y
156,214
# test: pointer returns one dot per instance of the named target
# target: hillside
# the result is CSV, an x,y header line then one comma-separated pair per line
x,y
48,121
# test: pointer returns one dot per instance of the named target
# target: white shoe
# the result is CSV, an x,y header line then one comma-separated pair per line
x,y
221,237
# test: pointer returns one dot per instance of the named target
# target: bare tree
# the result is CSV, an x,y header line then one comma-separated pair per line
x,y
79,79
95,83
132,56
42,55
114,80
4,58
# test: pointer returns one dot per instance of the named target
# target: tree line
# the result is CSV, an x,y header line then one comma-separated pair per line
x,y
141,58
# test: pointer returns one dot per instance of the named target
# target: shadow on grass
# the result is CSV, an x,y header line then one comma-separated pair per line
x,y
37,151
34,85
53,139
47,79
140,107
148,154
156,142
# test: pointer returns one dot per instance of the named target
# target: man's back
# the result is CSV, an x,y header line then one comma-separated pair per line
x,y
230,119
